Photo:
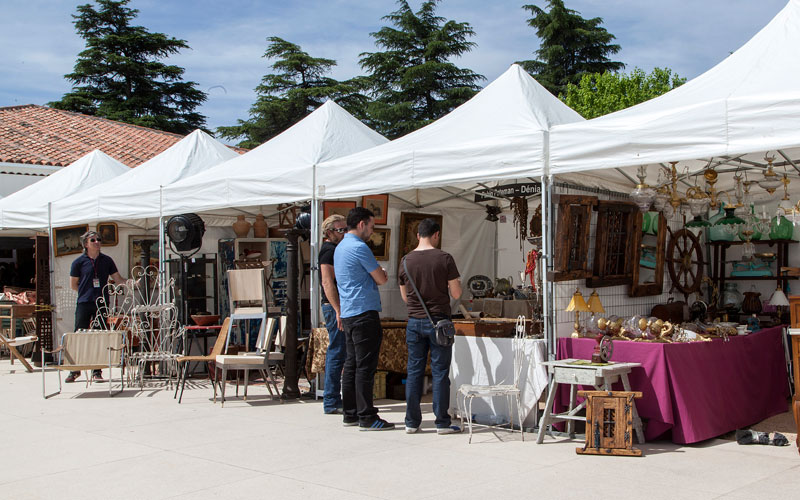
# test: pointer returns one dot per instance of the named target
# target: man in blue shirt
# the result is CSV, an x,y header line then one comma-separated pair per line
x,y
358,276
88,275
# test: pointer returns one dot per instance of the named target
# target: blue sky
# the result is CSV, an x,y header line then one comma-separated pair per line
x,y
228,39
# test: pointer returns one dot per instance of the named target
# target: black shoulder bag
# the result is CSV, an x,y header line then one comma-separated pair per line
x,y
444,328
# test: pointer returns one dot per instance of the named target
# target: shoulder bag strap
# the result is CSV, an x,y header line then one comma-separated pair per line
x,y
405,268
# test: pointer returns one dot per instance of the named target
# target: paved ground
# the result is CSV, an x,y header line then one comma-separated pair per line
x,y
142,444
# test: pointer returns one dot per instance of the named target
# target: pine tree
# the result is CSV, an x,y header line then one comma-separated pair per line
x,y
412,80
119,75
571,46
298,87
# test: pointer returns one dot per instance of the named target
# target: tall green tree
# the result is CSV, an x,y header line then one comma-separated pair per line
x,y
298,87
571,46
120,74
598,94
412,80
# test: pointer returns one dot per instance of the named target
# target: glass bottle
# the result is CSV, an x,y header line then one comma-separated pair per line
x,y
731,297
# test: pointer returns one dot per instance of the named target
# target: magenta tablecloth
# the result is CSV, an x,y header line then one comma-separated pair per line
x,y
698,390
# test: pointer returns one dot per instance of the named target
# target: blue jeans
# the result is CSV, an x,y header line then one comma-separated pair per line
x,y
421,338
334,361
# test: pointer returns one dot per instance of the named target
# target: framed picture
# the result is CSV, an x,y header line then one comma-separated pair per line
x,y
378,204
337,207
277,254
68,239
142,251
109,233
379,243
409,222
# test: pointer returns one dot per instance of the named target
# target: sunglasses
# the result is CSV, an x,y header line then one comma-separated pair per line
x,y
339,230
94,240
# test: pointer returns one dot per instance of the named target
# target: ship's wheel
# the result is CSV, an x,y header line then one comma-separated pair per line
x,y
684,260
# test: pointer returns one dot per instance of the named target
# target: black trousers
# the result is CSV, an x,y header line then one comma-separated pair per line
x,y
363,336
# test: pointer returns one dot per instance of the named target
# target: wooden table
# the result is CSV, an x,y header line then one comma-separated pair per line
x,y
577,372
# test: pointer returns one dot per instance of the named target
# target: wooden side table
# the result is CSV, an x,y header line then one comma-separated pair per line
x,y
577,372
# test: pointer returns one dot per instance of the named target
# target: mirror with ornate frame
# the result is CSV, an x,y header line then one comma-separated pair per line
x,y
650,238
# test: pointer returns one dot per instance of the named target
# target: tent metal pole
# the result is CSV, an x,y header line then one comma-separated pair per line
x,y
162,254
547,252
52,257
314,284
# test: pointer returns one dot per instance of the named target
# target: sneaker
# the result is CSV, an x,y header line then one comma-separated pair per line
x,y
453,429
378,425
411,430
98,377
72,377
350,422
335,411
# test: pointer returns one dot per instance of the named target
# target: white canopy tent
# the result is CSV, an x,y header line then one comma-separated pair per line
x,y
136,194
279,171
28,207
501,133
731,114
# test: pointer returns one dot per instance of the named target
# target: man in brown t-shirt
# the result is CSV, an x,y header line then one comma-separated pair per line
x,y
436,276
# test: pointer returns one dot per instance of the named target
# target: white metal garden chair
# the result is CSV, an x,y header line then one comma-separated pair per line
x,y
467,392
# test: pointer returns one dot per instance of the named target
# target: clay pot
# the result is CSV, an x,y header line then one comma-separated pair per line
x,y
241,227
260,227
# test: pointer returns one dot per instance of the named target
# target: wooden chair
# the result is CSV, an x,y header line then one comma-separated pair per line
x,y
263,360
86,351
12,344
183,361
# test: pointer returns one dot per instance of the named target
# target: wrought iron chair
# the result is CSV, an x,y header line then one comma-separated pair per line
x,y
467,392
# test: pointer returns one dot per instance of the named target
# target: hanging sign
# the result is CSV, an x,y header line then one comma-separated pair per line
x,y
509,191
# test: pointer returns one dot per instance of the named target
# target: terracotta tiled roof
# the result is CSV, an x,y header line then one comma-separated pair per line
x,y
39,135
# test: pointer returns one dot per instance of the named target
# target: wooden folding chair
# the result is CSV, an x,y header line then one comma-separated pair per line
x,y
12,344
216,350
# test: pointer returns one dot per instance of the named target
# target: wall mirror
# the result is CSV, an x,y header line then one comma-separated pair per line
x,y
649,245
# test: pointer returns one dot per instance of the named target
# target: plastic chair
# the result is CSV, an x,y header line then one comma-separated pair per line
x,y
247,292
215,351
467,392
262,360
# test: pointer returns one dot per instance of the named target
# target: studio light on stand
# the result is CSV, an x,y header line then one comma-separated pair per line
x,y
185,233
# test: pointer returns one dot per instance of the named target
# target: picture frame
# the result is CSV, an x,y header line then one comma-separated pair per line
x,y
379,241
378,204
337,207
142,251
409,222
68,239
109,233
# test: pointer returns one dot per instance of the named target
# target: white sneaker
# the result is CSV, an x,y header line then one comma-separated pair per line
x,y
411,430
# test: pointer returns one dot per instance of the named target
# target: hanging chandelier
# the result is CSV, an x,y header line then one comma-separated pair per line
x,y
643,195
771,181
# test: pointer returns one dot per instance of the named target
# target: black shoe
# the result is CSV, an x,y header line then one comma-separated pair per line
x,y
350,422
378,425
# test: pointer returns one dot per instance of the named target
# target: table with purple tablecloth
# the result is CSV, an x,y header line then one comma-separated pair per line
x,y
698,390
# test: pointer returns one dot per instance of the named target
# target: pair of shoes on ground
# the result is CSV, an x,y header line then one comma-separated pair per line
x,y
378,424
453,429
73,376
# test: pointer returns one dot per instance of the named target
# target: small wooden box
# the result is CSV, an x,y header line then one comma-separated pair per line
x,y
609,423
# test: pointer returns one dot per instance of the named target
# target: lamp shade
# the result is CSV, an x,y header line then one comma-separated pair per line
x,y
577,303
779,298
595,306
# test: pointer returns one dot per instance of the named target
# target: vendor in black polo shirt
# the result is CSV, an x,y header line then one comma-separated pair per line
x,y
88,275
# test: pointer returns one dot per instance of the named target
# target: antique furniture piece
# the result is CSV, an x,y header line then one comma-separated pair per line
x,y
575,372
12,344
609,423
85,351
648,256
247,291
572,243
614,245
483,354
468,392
699,390
185,360
263,359
794,334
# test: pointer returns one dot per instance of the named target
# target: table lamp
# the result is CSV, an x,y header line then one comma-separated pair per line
x,y
596,307
779,300
578,305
